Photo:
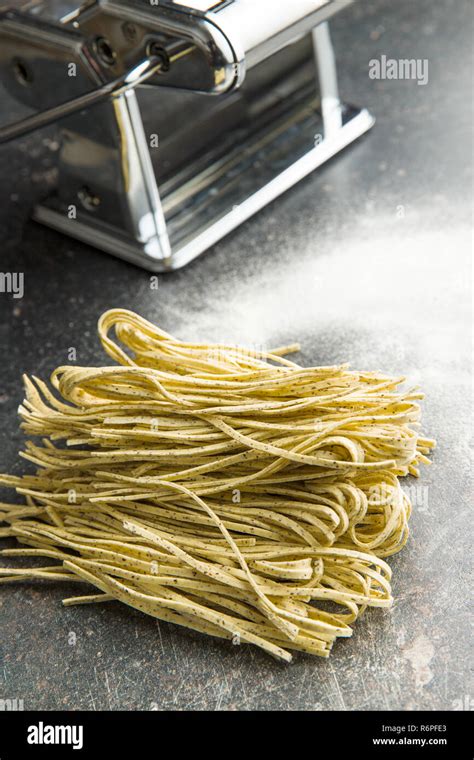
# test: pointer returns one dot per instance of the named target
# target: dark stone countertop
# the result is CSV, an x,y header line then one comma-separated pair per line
x,y
335,264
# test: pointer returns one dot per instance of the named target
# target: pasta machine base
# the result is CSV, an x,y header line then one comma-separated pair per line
x,y
200,212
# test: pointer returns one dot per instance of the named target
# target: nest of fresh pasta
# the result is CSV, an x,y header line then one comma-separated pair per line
x,y
227,490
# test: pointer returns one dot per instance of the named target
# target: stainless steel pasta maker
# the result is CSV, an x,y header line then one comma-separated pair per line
x,y
177,120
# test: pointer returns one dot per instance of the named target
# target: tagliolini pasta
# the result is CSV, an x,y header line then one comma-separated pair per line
x,y
222,489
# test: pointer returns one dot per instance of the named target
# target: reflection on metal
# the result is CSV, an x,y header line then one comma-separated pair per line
x,y
330,104
137,76
157,174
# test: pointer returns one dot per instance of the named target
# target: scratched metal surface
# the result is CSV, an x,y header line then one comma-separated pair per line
x,y
366,261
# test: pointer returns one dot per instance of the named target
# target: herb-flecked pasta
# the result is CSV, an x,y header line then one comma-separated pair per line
x,y
225,490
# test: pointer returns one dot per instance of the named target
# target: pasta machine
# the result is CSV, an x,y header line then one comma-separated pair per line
x,y
176,120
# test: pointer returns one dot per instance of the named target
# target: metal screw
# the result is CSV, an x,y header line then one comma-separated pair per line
x,y
155,50
105,51
22,71
129,31
88,199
